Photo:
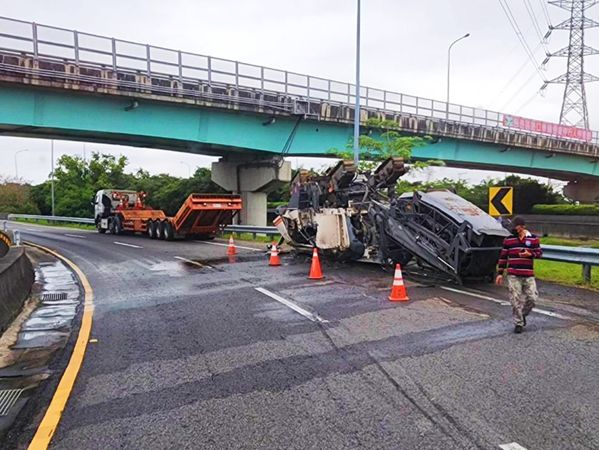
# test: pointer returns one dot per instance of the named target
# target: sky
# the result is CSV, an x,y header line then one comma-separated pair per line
x,y
404,49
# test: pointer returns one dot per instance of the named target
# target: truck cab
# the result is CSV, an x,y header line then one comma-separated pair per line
x,y
107,202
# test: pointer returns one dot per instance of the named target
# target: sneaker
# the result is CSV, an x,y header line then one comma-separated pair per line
x,y
518,329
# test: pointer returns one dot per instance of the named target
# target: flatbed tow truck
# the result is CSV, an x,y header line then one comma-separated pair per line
x,y
201,216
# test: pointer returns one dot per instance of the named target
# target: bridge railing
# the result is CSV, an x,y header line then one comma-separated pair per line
x,y
86,49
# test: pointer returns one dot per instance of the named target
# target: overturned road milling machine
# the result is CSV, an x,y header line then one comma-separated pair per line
x,y
357,216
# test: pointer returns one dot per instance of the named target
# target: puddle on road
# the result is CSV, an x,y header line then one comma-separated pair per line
x,y
44,327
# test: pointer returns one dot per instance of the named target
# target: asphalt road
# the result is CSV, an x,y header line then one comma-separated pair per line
x,y
211,355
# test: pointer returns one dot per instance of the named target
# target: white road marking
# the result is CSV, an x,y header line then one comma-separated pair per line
x,y
195,263
472,294
298,309
504,303
226,245
75,236
512,446
550,313
128,245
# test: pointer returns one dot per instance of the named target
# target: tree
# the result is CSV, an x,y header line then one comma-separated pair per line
x,y
16,198
77,180
382,141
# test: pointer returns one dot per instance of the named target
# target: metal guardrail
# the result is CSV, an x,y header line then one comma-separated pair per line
x,y
52,218
587,257
269,231
230,228
91,52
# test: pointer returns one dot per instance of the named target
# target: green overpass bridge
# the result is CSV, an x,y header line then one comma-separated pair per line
x,y
65,84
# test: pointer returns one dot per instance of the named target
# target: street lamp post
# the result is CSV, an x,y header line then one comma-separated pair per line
x,y
52,179
449,66
357,107
16,165
188,168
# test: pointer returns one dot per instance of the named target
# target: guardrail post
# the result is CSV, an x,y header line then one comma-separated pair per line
x,y
586,273
17,237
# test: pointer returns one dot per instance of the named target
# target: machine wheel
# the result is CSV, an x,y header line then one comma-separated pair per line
x,y
111,225
117,225
167,230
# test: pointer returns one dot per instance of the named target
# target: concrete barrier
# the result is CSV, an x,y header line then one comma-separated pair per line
x,y
16,279
585,227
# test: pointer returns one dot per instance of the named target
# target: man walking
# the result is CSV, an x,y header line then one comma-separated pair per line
x,y
517,257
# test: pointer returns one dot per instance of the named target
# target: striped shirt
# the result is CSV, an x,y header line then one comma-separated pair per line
x,y
511,260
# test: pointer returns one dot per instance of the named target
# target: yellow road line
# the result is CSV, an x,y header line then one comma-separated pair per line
x,y
51,419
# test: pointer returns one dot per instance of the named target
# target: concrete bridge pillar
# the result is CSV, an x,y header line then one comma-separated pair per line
x,y
585,190
253,179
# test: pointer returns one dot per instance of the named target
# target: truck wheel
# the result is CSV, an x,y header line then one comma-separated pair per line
x,y
167,231
153,229
111,226
118,225
99,226
149,229
159,230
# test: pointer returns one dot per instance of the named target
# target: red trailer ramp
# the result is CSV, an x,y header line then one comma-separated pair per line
x,y
203,215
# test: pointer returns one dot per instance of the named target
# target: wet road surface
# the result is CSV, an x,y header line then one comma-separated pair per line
x,y
193,351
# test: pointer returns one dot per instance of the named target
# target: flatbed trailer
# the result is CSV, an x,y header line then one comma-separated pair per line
x,y
201,215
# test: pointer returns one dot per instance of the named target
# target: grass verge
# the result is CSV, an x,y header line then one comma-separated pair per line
x,y
565,273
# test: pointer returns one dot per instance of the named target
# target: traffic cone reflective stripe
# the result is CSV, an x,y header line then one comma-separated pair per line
x,y
315,272
231,250
274,256
398,291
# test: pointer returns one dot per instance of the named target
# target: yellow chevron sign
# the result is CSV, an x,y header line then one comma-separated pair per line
x,y
501,201
4,244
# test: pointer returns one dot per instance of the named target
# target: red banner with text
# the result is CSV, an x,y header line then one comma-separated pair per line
x,y
553,129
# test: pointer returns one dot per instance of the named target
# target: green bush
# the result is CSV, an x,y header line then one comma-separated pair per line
x,y
567,210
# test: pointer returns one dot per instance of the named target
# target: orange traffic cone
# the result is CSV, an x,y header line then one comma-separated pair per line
x,y
398,292
231,250
315,272
274,256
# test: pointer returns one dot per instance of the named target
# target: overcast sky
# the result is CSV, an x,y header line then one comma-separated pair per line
x,y
404,49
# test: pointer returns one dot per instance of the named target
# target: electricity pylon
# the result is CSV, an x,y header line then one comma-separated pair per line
x,y
574,106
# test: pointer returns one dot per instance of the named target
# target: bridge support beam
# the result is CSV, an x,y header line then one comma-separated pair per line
x,y
585,190
253,179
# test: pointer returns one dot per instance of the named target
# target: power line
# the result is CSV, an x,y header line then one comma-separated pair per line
x,y
523,105
546,12
514,23
516,75
535,22
513,97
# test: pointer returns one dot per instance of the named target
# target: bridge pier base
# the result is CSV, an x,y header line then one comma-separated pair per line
x,y
584,190
253,180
